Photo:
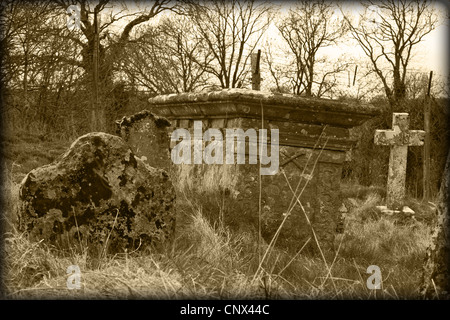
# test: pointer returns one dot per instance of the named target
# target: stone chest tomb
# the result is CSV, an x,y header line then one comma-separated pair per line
x,y
303,194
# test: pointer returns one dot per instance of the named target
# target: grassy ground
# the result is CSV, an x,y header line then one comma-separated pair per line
x,y
24,151
211,262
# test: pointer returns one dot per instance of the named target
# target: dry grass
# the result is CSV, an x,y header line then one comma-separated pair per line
x,y
205,178
23,151
204,262
211,262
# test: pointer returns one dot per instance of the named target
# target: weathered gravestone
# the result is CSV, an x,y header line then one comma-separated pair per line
x,y
146,135
399,138
312,137
100,196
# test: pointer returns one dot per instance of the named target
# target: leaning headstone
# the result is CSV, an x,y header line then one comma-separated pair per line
x,y
100,196
312,136
146,134
399,138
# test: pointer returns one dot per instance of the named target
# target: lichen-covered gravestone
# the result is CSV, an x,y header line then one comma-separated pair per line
x,y
312,136
98,195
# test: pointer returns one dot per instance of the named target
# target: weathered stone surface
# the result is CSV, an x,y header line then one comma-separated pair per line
x,y
98,190
404,216
343,212
146,134
313,140
244,103
399,138
229,193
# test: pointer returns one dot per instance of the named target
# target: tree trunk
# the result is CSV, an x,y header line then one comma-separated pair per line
x,y
435,278
310,79
398,91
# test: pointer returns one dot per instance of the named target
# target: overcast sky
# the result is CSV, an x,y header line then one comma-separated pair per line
x,y
431,54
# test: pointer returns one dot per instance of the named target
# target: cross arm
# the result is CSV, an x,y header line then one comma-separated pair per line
x,y
399,138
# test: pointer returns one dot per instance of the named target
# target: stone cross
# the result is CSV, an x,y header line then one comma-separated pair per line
x,y
399,138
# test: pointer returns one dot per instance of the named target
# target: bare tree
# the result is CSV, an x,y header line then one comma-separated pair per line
x,y
416,84
278,72
230,30
20,25
103,49
111,45
34,61
44,62
168,58
387,31
308,27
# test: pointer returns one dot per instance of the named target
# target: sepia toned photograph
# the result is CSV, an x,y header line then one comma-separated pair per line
x,y
240,150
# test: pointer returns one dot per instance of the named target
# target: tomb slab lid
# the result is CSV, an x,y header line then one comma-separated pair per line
x,y
233,103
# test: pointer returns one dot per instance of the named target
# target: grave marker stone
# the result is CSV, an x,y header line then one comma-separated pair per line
x,y
146,135
399,139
